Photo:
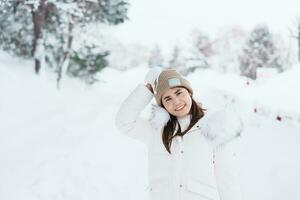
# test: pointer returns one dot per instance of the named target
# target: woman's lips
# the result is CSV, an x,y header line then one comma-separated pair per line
x,y
180,108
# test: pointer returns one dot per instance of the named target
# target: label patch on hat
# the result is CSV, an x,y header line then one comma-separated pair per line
x,y
173,82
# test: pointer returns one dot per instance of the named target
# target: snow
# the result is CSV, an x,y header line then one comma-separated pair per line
x,y
62,144
281,93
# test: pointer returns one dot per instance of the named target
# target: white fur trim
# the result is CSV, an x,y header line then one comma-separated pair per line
x,y
159,117
222,126
219,126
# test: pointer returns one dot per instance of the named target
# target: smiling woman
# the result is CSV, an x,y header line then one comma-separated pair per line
x,y
185,161
177,101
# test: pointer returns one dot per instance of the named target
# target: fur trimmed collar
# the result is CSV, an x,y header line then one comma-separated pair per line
x,y
219,126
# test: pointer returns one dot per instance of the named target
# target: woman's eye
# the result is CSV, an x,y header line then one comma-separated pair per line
x,y
179,93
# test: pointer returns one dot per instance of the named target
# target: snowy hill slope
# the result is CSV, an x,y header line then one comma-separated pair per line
x,y
63,144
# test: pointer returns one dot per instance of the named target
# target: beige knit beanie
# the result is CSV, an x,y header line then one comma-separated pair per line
x,y
167,79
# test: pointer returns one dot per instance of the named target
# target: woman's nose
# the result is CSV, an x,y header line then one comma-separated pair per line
x,y
176,102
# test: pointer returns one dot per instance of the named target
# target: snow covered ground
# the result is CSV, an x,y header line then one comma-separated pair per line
x,y
63,144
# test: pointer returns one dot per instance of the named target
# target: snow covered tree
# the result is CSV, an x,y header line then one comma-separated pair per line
x,y
259,51
295,34
47,28
193,54
227,45
202,42
155,58
16,27
298,38
177,59
182,60
197,53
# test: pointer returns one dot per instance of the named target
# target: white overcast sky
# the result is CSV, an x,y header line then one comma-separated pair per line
x,y
165,21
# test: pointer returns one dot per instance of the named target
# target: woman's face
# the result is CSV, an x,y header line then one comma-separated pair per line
x,y
177,101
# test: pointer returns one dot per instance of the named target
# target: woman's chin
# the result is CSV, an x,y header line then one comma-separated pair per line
x,y
181,113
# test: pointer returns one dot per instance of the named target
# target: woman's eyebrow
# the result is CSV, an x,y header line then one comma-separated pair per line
x,y
166,97
174,93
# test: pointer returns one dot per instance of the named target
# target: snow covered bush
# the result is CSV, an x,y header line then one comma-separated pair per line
x,y
86,62
259,51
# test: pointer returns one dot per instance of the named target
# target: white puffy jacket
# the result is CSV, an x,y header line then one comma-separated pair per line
x,y
202,164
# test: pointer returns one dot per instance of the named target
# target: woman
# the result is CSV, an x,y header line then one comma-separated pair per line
x,y
190,155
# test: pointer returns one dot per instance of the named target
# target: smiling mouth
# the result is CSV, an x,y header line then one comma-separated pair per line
x,y
180,108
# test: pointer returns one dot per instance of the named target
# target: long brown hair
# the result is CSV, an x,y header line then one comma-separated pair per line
x,y
197,113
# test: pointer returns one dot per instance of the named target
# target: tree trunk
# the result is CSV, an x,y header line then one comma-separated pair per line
x,y
39,21
63,68
298,38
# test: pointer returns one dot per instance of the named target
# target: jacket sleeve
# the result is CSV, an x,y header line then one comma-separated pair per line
x,y
227,171
128,119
